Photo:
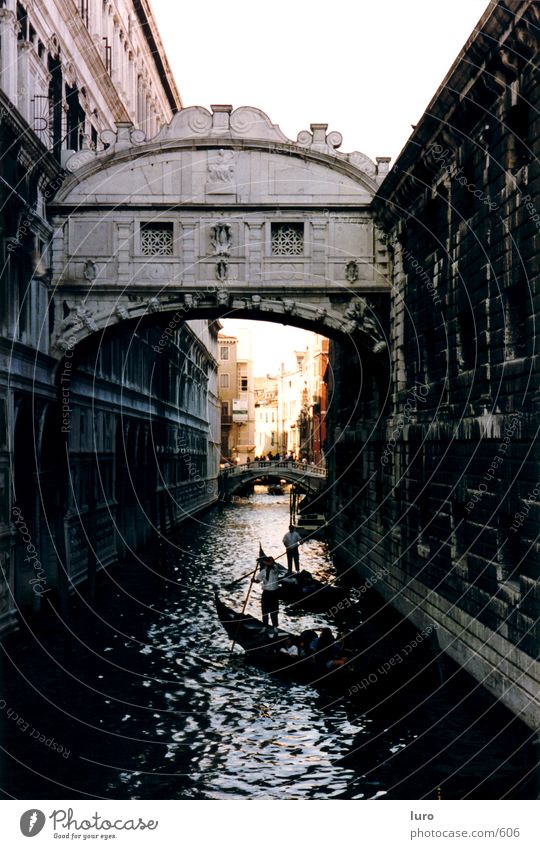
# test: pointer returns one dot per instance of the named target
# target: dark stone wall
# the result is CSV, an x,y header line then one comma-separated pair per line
x,y
442,483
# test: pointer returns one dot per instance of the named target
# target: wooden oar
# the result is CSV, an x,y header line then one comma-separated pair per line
x,y
247,597
251,572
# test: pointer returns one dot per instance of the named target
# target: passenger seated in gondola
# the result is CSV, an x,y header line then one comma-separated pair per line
x,y
328,651
289,648
307,643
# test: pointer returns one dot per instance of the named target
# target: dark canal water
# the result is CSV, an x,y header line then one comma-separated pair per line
x,y
135,695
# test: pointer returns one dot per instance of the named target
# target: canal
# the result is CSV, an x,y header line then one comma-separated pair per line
x,y
135,695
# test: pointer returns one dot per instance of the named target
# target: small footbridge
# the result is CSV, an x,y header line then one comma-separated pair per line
x,y
309,478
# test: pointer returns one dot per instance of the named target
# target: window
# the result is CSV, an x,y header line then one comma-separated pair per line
x,y
56,112
157,239
515,318
518,121
287,239
224,381
83,9
22,20
224,408
107,55
243,384
467,333
75,119
224,352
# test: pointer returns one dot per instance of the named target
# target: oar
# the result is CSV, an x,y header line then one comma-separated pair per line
x,y
247,575
246,600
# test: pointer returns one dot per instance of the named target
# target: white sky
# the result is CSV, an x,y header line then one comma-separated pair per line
x,y
368,69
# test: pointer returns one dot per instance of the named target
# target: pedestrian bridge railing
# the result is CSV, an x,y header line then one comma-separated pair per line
x,y
266,467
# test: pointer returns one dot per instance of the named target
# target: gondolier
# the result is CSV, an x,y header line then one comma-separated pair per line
x,y
291,541
268,577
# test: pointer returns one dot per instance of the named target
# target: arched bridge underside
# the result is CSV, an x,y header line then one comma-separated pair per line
x,y
310,479
219,214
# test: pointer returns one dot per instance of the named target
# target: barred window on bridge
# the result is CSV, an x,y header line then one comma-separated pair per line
x,y
287,239
157,239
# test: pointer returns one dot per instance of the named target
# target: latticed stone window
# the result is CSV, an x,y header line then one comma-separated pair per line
x,y
157,239
287,239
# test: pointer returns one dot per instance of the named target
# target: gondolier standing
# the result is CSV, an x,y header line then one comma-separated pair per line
x,y
291,541
268,577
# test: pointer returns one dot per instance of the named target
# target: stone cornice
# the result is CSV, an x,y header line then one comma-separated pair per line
x,y
150,30
242,129
97,73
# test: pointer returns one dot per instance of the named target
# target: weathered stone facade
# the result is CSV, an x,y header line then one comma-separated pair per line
x,y
444,471
67,78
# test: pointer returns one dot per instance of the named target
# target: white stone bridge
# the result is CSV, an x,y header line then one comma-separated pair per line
x,y
219,214
310,478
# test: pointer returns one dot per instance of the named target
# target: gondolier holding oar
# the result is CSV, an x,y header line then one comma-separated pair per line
x,y
291,541
268,577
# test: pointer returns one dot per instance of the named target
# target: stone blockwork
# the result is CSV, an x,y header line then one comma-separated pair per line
x,y
443,486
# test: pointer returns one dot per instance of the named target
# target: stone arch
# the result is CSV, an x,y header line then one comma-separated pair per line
x,y
359,317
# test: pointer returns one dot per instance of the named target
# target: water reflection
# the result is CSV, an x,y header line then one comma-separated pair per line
x,y
144,690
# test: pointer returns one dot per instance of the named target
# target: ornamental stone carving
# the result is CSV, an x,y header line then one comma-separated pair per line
x,y
90,270
352,271
154,305
121,312
221,173
221,239
222,270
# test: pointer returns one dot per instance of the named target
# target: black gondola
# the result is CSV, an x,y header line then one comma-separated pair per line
x,y
363,675
265,646
304,592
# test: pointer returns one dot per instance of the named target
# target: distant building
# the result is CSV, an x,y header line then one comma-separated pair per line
x,y
302,401
266,416
237,396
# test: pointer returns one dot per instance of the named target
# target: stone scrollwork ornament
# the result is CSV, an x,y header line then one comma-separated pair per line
x,y
360,321
221,239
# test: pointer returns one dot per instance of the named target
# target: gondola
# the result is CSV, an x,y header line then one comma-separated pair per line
x,y
304,592
263,645
363,677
